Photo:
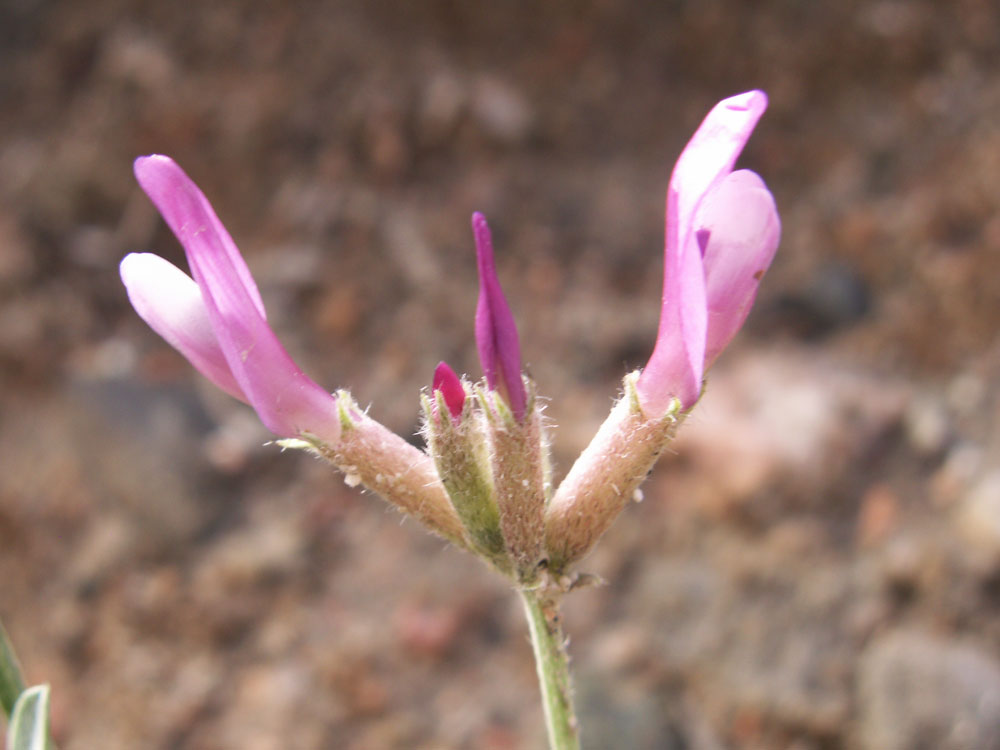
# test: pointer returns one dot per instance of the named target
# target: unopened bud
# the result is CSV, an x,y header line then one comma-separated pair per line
x,y
518,454
458,446
451,388
496,331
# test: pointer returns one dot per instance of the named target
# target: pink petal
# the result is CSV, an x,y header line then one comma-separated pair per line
x,y
287,401
677,364
712,152
743,229
171,303
186,210
496,331
450,385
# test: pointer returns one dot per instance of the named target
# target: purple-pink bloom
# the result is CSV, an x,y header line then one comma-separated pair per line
x,y
450,385
217,320
496,331
722,230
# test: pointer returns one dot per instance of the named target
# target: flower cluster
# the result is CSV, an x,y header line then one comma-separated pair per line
x,y
484,481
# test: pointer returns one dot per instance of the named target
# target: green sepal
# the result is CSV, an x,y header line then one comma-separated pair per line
x,y
459,451
635,407
344,405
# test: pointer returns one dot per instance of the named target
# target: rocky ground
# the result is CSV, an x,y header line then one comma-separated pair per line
x,y
816,565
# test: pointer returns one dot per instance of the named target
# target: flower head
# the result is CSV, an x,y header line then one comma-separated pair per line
x,y
496,331
217,320
722,230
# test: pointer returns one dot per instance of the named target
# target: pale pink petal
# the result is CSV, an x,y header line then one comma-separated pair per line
x,y
676,366
740,220
712,152
171,303
288,402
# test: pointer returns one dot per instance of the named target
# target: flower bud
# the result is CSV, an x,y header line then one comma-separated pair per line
x,y
496,331
519,462
457,443
450,387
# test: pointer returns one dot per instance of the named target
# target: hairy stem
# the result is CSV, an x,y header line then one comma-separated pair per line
x,y
552,663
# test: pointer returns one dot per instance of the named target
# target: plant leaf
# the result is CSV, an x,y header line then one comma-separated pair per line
x,y
29,721
11,682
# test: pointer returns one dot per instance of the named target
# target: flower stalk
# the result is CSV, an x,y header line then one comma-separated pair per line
x,y
552,665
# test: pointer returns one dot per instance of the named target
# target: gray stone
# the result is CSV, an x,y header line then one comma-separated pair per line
x,y
917,691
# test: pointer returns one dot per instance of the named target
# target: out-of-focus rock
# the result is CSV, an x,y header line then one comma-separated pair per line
x,y
634,716
835,297
107,541
238,437
927,425
241,559
879,514
951,481
920,691
16,263
441,106
979,518
777,413
140,59
425,630
501,110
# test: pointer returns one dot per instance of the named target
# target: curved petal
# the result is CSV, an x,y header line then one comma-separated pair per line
x,y
496,331
188,211
675,368
171,303
288,402
712,152
677,364
741,223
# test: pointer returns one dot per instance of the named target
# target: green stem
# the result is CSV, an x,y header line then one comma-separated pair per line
x,y
552,663
11,681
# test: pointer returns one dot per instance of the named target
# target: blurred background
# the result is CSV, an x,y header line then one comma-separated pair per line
x,y
815,566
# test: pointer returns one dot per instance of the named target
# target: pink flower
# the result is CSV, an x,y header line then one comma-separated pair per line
x,y
496,331
217,321
722,230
